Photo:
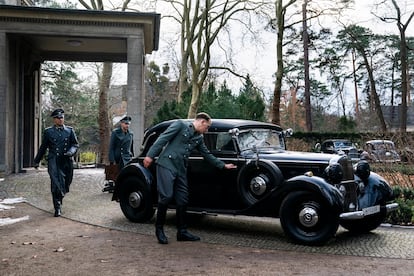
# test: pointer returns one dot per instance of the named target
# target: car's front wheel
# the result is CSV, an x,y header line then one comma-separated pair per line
x,y
307,218
135,199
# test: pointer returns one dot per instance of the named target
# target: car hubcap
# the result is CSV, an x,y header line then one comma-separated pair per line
x,y
135,199
308,217
258,185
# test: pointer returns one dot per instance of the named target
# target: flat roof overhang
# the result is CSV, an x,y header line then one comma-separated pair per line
x,y
80,35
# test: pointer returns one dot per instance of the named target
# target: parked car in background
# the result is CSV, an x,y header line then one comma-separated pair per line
x,y
339,146
311,193
380,151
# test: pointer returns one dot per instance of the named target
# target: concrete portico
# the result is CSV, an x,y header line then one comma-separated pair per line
x,y
30,35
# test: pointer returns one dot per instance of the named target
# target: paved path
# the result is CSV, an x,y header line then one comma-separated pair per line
x,y
86,203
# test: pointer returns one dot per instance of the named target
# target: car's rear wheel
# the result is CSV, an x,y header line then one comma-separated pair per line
x,y
307,218
257,179
364,225
135,199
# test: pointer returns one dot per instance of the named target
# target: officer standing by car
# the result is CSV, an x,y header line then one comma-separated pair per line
x,y
121,150
62,143
121,147
173,148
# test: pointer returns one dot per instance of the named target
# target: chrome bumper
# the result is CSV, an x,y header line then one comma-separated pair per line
x,y
360,214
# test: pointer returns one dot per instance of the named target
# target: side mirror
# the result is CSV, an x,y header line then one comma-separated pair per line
x,y
234,132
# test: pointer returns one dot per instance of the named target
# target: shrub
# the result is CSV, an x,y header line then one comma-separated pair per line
x,y
87,157
405,213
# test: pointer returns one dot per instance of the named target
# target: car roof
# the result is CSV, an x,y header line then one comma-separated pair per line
x,y
378,141
220,125
336,140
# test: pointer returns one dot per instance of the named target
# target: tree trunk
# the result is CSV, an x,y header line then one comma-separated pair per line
x,y
195,101
183,81
305,38
103,118
355,86
279,72
404,82
375,98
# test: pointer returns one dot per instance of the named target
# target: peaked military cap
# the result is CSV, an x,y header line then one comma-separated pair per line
x,y
57,113
126,119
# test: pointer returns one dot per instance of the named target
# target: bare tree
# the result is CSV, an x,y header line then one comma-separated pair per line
x,y
201,22
104,81
279,25
310,9
397,18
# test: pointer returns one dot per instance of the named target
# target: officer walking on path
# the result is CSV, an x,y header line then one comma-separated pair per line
x,y
62,143
174,147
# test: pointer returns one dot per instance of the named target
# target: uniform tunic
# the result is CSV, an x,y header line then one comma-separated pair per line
x,y
62,144
121,147
174,147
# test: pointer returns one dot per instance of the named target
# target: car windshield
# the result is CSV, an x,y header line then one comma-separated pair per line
x,y
260,138
384,146
343,144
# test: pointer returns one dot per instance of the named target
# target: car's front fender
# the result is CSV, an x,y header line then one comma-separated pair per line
x,y
270,204
314,184
135,169
376,191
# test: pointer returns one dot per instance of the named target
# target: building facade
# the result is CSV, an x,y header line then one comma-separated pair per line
x,y
31,35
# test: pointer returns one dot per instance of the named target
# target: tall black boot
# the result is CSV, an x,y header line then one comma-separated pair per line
x,y
182,233
57,203
159,224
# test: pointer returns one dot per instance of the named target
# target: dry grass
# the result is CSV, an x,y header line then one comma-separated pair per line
x,y
399,179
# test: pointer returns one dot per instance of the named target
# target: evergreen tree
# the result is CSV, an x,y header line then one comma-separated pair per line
x,y
219,104
63,89
251,103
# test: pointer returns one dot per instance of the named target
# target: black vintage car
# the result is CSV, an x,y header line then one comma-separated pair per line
x,y
339,146
311,193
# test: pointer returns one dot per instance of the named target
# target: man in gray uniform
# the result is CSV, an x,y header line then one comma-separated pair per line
x,y
174,147
62,143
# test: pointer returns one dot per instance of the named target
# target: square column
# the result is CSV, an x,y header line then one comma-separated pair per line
x,y
135,88
3,102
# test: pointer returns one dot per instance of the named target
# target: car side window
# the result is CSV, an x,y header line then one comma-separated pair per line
x,y
225,142
218,142
210,139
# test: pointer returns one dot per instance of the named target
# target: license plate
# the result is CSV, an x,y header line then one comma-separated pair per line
x,y
371,210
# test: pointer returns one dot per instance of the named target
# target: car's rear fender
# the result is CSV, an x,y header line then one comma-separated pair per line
x,y
134,169
313,184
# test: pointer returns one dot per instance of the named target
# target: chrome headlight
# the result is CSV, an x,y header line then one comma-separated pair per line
x,y
334,173
361,187
363,170
342,189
